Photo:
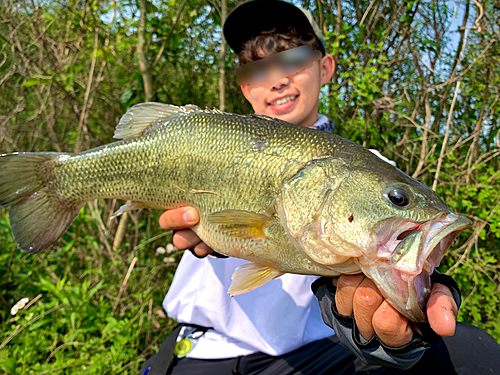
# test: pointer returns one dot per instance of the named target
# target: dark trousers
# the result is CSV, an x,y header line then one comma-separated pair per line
x,y
471,351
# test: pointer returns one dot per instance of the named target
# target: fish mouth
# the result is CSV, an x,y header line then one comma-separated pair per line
x,y
408,258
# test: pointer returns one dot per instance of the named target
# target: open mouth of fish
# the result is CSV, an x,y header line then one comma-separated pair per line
x,y
408,258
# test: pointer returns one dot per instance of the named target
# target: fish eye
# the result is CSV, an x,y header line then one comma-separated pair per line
x,y
398,197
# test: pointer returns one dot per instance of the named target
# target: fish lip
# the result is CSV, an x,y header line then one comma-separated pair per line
x,y
407,288
433,239
419,290
435,247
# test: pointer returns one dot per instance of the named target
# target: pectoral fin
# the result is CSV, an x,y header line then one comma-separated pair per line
x,y
250,276
241,224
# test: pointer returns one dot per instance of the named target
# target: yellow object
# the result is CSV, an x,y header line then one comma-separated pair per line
x,y
182,348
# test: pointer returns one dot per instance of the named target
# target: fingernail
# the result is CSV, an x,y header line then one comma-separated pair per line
x,y
189,216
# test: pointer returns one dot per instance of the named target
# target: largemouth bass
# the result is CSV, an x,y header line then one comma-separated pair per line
x,y
284,197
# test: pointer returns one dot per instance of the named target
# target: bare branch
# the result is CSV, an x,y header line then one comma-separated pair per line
x,y
446,135
452,80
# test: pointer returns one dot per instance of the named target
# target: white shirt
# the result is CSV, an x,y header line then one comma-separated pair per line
x,y
276,318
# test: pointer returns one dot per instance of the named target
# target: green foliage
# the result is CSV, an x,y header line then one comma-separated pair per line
x,y
74,288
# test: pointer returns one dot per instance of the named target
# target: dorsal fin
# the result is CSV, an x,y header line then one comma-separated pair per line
x,y
264,117
144,116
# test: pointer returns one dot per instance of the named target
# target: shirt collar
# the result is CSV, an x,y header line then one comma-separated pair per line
x,y
324,124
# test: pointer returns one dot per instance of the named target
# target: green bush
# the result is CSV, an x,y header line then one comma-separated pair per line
x,y
75,322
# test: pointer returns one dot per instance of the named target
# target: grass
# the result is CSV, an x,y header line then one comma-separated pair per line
x,y
91,311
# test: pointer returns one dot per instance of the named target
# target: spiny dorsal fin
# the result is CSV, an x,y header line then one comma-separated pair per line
x,y
264,117
141,117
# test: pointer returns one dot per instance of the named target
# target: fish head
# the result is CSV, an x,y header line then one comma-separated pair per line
x,y
361,214
398,229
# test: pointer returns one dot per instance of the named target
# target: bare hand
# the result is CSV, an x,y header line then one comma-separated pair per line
x,y
374,315
181,219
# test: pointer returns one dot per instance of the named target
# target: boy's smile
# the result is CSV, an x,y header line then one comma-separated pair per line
x,y
293,98
283,103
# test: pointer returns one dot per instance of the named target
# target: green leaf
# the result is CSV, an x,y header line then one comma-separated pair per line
x,y
37,79
126,96
432,43
7,363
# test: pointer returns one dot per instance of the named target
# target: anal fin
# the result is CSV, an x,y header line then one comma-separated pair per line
x,y
250,276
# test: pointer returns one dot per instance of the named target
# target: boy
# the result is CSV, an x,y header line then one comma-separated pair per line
x,y
277,328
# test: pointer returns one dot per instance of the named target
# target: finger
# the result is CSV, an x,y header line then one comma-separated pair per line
x,y
185,239
392,328
367,300
202,250
442,311
346,286
335,280
179,218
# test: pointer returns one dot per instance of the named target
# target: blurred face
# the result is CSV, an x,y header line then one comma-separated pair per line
x,y
293,98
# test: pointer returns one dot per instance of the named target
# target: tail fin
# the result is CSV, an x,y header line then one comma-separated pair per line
x,y
38,218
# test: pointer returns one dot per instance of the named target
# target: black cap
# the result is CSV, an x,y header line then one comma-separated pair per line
x,y
254,17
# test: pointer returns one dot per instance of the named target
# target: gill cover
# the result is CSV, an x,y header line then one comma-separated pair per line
x,y
305,210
